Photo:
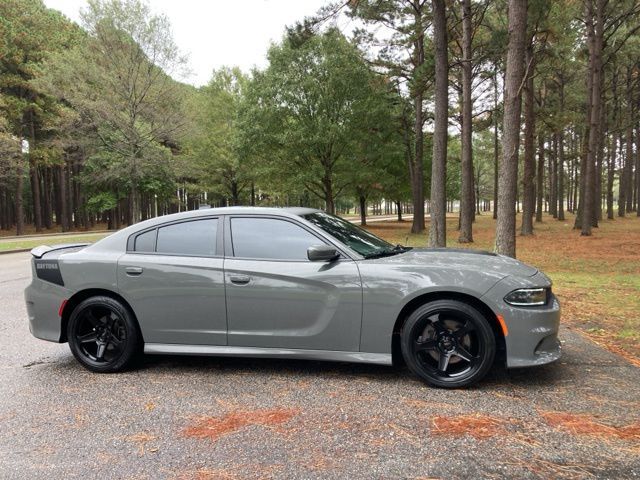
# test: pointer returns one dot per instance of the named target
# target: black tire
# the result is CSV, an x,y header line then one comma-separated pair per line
x,y
448,344
103,335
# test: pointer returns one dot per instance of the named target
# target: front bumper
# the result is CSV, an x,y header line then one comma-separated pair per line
x,y
532,331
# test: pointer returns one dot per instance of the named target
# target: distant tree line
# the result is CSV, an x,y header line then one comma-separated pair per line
x,y
509,105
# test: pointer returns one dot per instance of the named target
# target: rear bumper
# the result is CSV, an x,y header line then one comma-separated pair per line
x,y
43,301
532,331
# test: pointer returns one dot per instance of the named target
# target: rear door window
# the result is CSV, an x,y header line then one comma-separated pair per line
x,y
196,237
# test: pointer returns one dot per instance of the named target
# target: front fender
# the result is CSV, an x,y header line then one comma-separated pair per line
x,y
386,291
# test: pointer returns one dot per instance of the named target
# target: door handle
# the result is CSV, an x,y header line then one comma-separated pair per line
x,y
239,279
133,271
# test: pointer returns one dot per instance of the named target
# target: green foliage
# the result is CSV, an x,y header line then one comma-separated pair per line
x,y
316,115
219,163
101,202
117,81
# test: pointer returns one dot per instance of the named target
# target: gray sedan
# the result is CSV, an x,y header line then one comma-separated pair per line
x,y
290,283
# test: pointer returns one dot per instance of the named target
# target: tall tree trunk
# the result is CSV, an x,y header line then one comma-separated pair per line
x,y
540,178
57,204
630,158
553,180
399,210
597,214
467,207
595,95
48,212
416,169
637,186
507,185
560,142
496,147
528,188
64,199
3,212
69,192
19,204
438,228
327,184
625,173
611,169
77,204
35,180
363,209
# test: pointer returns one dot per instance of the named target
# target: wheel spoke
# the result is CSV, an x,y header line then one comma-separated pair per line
x,y
422,345
438,324
443,362
88,337
115,341
464,330
101,348
464,354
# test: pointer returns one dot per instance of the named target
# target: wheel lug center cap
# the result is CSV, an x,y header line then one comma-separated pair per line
x,y
446,343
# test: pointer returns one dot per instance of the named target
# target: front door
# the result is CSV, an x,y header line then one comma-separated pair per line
x,y
277,298
172,276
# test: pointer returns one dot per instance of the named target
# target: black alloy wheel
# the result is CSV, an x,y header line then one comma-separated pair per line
x,y
448,343
103,335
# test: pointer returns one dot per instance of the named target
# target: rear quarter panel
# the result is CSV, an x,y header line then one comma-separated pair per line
x,y
78,271
90,269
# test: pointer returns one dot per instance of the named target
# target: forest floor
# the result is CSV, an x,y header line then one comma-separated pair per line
x,y
597,278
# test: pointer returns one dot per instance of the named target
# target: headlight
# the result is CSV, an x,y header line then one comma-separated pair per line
x,y
528,297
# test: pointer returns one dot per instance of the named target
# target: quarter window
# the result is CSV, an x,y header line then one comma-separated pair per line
x,y
269,238
196,237
146,242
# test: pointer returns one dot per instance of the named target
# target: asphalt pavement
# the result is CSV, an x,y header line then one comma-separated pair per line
x,y
213,418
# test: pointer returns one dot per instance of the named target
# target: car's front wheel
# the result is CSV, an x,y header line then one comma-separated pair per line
x,y
103,335
448,343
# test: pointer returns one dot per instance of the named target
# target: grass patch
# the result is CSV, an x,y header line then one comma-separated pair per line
x,y
597,278
7,245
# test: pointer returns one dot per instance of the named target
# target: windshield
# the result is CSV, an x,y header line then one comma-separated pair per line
x,y
356,238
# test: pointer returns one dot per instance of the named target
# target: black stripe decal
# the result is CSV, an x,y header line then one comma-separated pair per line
x,y
49,271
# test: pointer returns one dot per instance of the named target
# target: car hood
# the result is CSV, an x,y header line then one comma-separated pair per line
x,y
460,259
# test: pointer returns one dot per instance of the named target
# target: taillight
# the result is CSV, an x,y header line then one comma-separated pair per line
x,y
62,305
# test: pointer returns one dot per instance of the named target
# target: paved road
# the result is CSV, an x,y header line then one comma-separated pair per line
x,y
208,418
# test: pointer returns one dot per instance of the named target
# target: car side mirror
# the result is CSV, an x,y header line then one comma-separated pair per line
x,y
322,253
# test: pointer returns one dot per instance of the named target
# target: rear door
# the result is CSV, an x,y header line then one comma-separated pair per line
x,y
277,298
172,276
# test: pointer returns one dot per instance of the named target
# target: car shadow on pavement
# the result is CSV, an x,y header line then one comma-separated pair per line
x,y
546,375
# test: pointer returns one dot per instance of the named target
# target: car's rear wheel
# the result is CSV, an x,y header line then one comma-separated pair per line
x,y
448,343
103,335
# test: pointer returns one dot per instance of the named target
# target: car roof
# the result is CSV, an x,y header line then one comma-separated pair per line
x,y
116,240
245,210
